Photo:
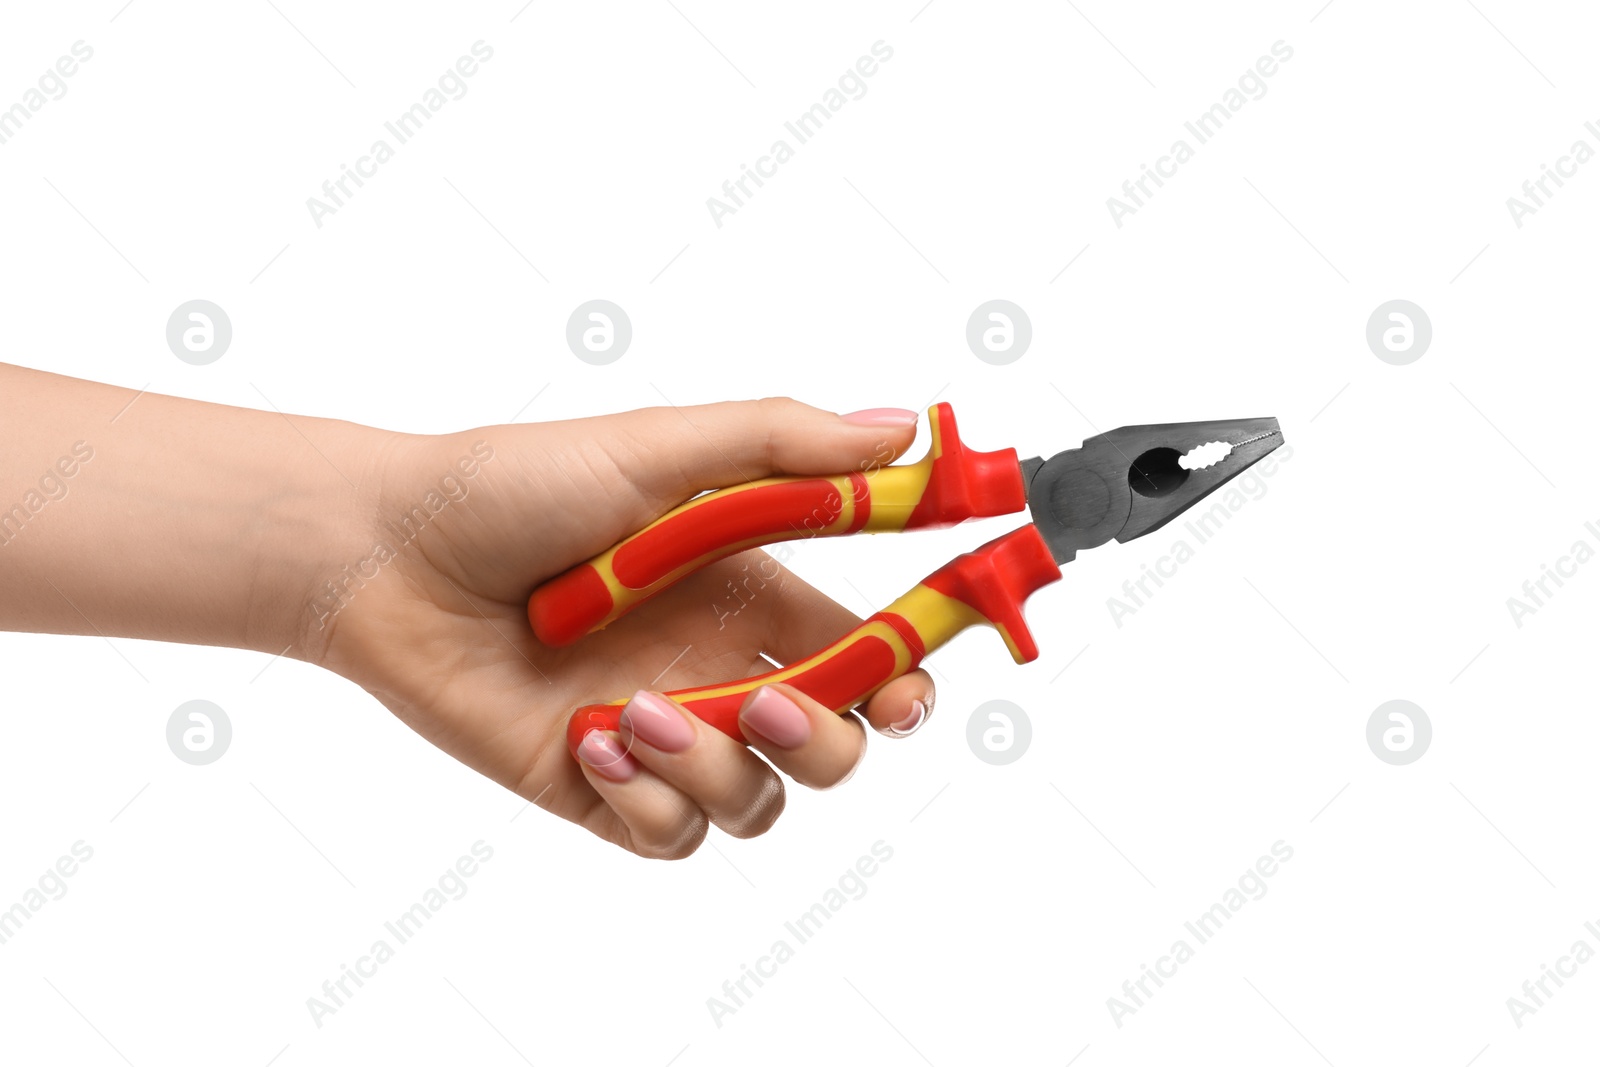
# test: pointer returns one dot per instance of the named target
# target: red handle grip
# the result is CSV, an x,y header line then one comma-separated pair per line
x,y
986,586
951,484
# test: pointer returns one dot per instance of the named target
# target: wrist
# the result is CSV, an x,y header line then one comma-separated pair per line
x,y
324,545
392,550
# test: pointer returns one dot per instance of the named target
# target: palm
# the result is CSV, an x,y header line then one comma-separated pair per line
x,y
446,645
442,637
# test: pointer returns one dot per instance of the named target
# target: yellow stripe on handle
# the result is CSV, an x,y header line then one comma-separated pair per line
x,y
948,485
988,586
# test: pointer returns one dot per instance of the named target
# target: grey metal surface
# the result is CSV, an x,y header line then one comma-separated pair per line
x,y
1126,482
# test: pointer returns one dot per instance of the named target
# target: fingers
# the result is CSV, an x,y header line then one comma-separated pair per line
x,y
802,619
738,792
715,445
902,707
805,740
668,776
660,821
797,618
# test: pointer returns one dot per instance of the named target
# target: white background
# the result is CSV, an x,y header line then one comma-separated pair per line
x,y
1225,715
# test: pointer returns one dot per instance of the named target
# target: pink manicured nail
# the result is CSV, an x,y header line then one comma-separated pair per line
x,y
603,752
919,711
881,417
654,720
776,718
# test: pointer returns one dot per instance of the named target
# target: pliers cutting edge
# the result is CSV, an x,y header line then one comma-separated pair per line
x,y
1120,484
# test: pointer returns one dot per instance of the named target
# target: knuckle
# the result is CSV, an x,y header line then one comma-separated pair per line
x,y
839,770
759,812
779,406
776,412
779,414
691,832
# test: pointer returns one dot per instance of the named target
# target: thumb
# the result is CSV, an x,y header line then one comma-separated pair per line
x,y
714,445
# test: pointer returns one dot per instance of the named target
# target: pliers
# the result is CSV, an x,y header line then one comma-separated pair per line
x,y
1120,484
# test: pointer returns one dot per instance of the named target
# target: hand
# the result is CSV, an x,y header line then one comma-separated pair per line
x,y
433,621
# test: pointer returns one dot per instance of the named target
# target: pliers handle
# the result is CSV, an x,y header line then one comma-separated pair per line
x,y
951,484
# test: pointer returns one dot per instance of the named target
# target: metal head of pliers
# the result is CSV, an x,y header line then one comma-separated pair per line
x,y
1129,481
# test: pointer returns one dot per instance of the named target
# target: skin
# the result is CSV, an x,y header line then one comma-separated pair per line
x,y
209,524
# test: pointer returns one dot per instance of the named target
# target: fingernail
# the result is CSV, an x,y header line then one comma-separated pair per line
x,y
881,417
657,722
776,718
909,724
606,755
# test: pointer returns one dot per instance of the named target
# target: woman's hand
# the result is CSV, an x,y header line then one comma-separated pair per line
x,y
431,616
405,564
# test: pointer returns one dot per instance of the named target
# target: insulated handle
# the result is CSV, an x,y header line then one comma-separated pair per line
x,y
950,484
987,586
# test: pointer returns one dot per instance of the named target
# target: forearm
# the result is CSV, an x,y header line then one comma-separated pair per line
x,y
156,517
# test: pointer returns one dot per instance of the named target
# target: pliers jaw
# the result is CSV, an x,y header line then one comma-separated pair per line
x,y
1129,481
